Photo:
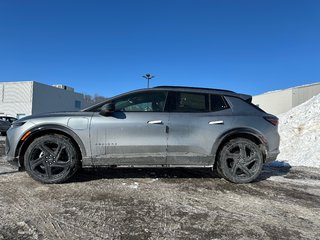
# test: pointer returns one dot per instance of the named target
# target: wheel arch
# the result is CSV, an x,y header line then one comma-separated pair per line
x,y
44,130
247,133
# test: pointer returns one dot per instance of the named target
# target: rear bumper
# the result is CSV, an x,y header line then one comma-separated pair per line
x,y
271,156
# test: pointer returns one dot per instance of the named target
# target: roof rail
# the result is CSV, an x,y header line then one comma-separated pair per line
x,y
210,89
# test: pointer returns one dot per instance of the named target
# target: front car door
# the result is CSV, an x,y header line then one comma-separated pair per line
x,y
196,120
135,134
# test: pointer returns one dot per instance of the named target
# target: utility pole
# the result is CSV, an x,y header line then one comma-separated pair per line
x,y
148,76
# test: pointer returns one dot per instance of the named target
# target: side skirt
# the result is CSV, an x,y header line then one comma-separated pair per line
x,y
89,163
148,166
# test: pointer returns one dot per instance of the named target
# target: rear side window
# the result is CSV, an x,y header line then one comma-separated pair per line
x,y
187,102
218,103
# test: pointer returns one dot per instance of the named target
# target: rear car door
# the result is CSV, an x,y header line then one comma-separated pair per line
x,y
196,120
135,134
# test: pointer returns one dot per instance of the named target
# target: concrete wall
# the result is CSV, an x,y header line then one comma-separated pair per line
x,y
281,101
304,93
16,98
274,102
52,99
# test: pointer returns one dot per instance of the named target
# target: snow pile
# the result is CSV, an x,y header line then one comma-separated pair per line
x,y
300,134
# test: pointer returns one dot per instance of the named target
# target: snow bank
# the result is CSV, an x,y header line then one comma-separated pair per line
x,y
300,134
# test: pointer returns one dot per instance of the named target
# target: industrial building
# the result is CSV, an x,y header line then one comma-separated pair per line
x,y
277,102
19,99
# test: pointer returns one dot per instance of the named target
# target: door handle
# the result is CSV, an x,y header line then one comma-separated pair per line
x,y
216,122
155,122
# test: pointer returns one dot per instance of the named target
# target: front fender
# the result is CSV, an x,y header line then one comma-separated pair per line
x,y
50,128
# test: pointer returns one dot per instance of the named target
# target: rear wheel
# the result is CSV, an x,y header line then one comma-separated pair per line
x,y
240,161
51,159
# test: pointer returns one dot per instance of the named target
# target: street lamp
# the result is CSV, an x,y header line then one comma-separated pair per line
x,y
148,76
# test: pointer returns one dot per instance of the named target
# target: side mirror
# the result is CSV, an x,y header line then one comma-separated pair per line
x,y
107,109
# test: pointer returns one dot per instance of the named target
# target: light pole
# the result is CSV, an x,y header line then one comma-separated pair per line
x,y
148,76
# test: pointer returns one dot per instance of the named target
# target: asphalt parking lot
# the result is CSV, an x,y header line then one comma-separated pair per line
x,y
161,204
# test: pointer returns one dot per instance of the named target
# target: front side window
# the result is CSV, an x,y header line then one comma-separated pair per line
x,y
187,102
141,102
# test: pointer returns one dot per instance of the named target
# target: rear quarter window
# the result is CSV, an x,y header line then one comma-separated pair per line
x,y
218,103
240,106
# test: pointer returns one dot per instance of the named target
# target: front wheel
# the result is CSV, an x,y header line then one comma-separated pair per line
x,y
240,161
51,159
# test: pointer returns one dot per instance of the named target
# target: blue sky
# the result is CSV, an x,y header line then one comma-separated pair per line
x,y
104,47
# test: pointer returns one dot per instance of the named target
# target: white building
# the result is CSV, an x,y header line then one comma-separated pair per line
x,y
281,101
18,99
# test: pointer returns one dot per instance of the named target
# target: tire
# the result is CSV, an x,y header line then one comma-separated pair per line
x,y
240,161
51,159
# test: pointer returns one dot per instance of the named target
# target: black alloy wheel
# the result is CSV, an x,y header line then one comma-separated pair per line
x,y
240,161
51,159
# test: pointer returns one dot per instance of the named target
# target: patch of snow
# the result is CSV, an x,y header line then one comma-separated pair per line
x,y
299,130
27,231
134,185
153,180
303,182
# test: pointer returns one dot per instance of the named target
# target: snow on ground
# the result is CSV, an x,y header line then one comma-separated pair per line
x,y
300,134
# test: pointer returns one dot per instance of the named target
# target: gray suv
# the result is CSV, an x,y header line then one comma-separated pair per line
x,y
157,127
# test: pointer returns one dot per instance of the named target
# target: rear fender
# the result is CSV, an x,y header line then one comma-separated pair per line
x,y
240,132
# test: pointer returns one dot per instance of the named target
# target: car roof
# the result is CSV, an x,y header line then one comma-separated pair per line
x,y
245,97
192,88
200,89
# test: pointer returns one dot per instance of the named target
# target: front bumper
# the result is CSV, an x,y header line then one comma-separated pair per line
x,y
10,153
13,161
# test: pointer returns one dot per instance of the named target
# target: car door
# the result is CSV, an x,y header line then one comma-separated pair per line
x,y
135,134
195,122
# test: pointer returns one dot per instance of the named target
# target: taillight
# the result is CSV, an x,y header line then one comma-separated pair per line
x,y
273,120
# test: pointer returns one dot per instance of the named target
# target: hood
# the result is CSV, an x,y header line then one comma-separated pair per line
x,y
56,114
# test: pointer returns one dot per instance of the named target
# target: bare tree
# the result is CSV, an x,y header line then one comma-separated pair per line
x,y
97,98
